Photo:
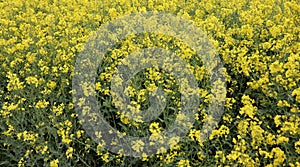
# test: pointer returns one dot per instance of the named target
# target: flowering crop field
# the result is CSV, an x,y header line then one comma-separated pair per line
x,y
257,41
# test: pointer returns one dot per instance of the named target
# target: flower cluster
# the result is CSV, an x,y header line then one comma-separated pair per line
x,y
258,42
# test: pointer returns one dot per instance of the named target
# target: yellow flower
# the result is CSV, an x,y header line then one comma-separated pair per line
x,y
222,131
220,155
51,84
183,163
124,119
14,82
275,31
141,95
44,150
21,162
243,127
27,136
297,146
296,93
32,80
248,109
229,102
154,127
98,86
247,31
256,134
152,87
42,104
277,120
138,146
105,157
79,133
173,142
270,139
54,163
170,157
58,110
144,157
276,67
195,134
10,129
282,139
69,152
161,150
279,156
283,103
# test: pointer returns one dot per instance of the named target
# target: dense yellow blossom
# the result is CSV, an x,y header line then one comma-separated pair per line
x,y
257,41
69,152
54,163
